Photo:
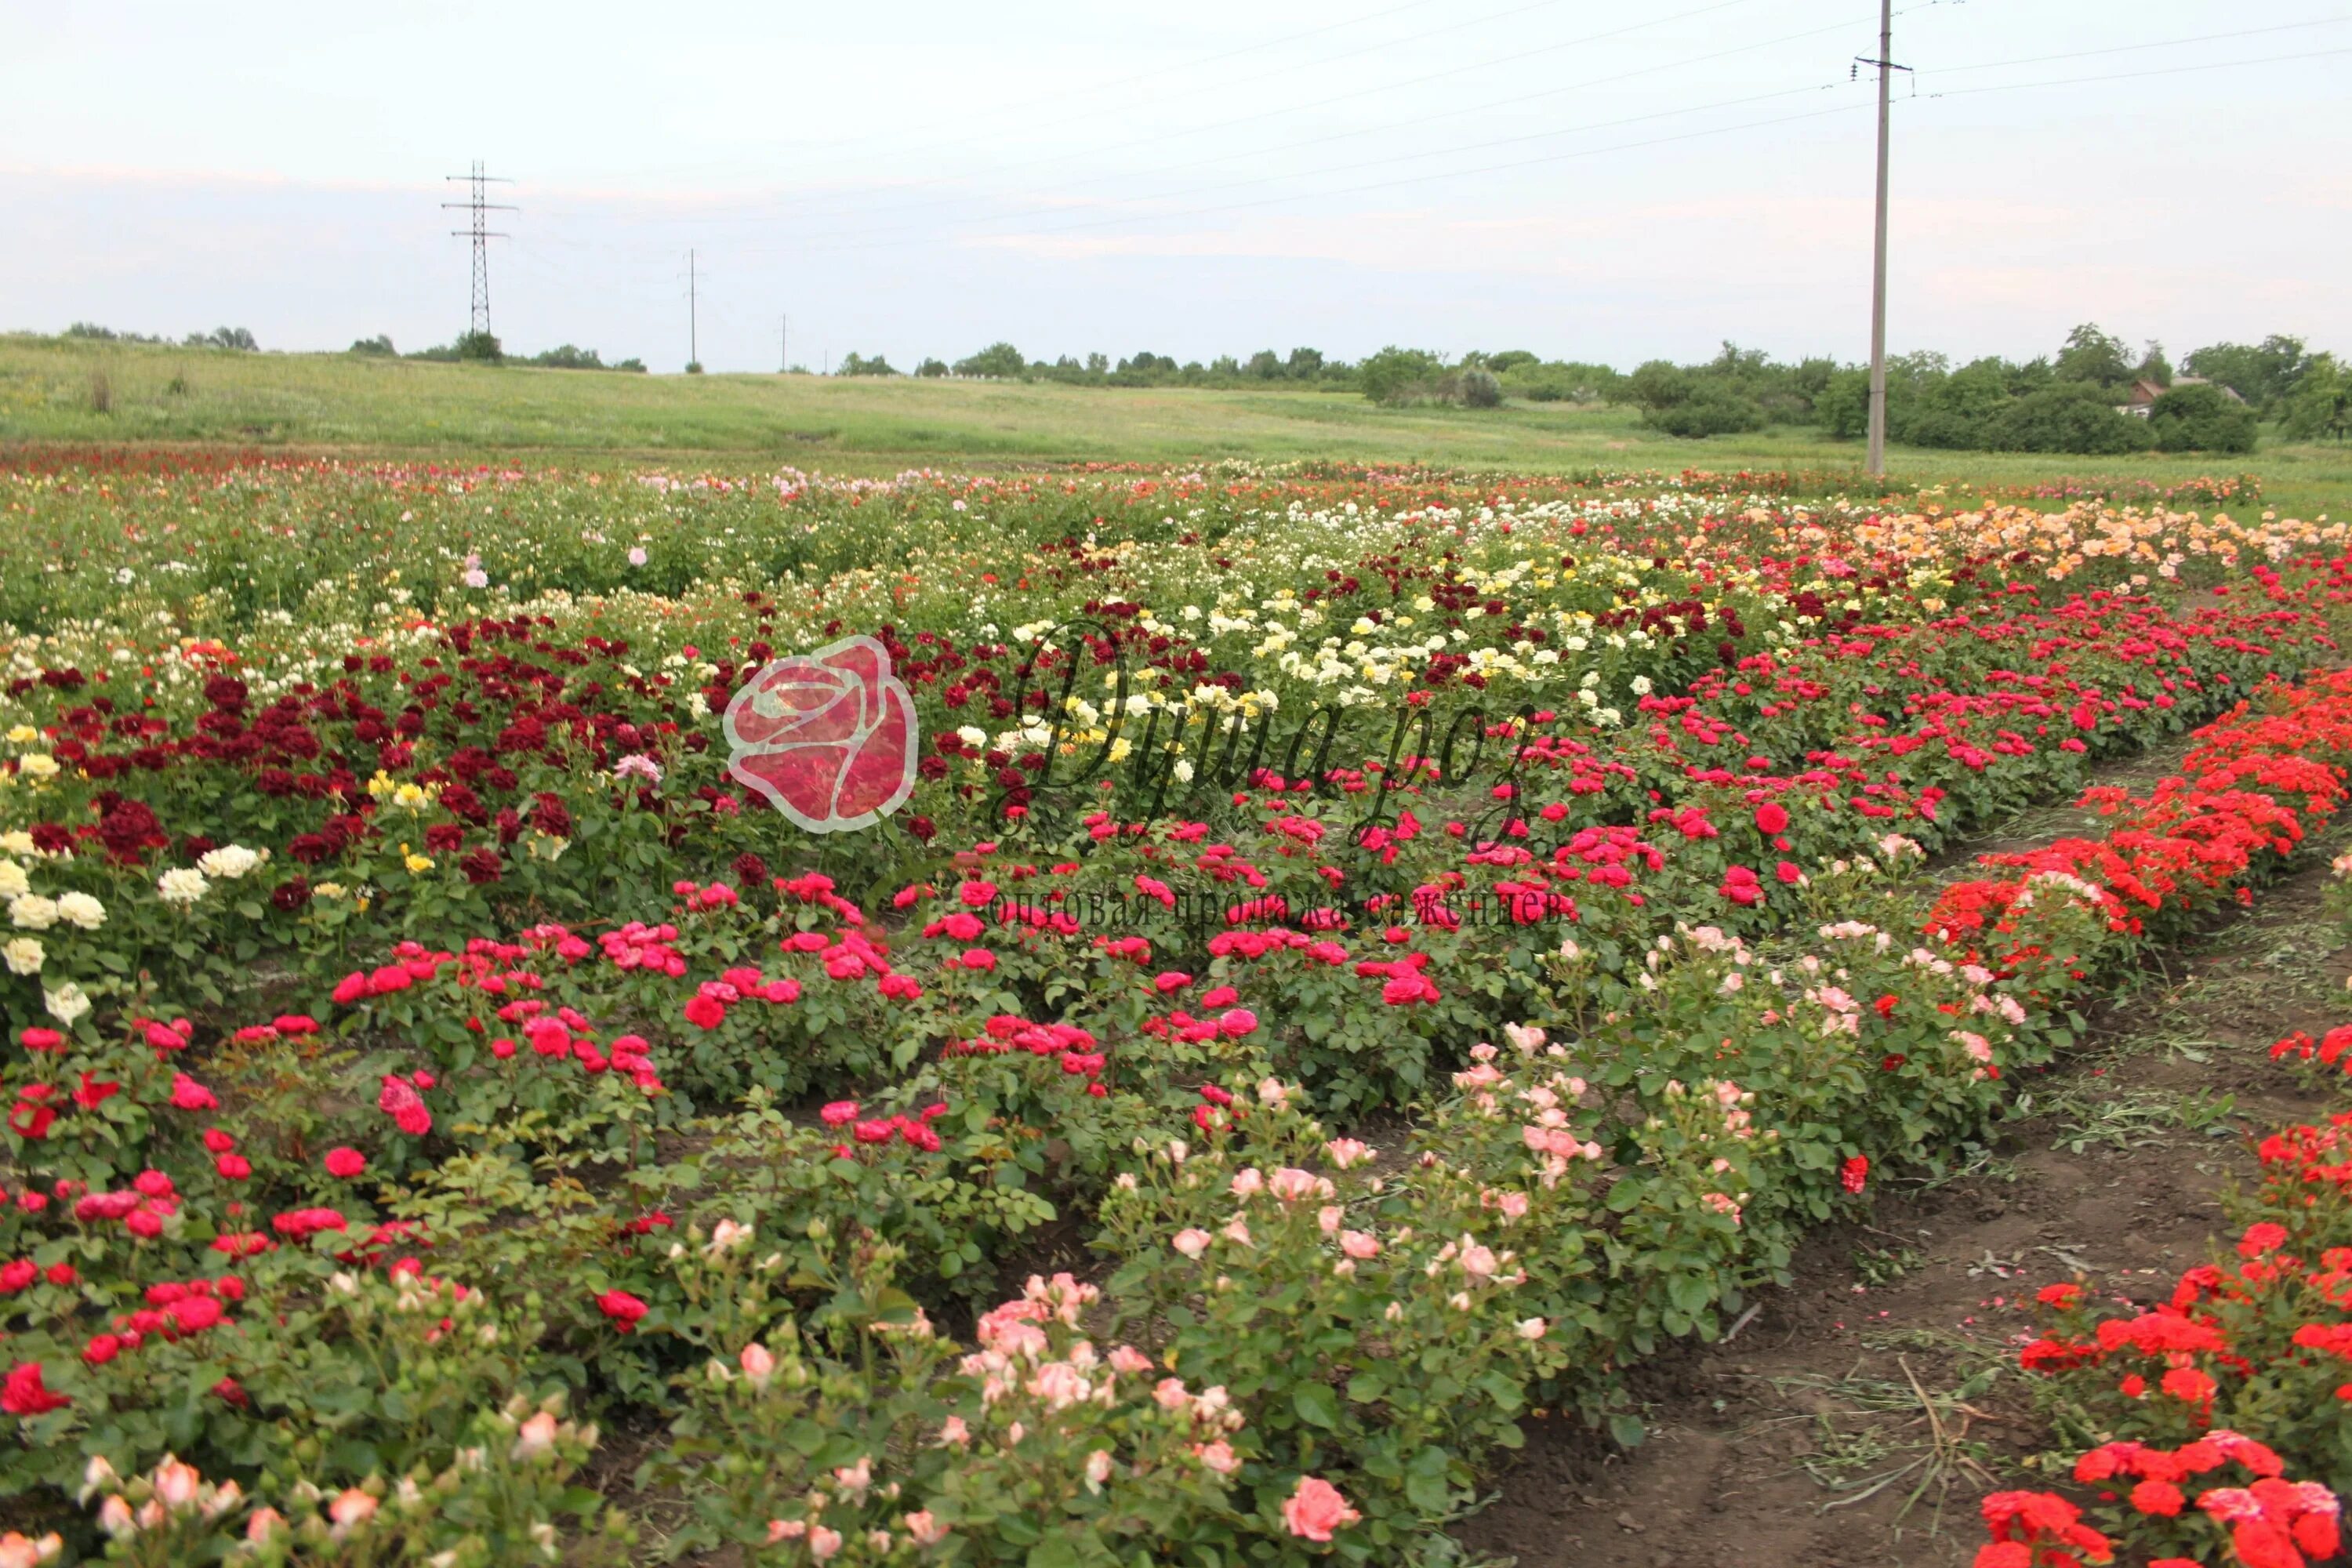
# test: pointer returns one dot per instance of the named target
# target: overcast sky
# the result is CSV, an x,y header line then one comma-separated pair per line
x,y
1599,181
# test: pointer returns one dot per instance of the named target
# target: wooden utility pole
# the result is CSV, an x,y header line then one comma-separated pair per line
x,y
1886,70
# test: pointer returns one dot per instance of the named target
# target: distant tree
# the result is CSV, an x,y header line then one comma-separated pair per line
x,y
377,347
1224,366
932,368
1844,407
694,367
1658,384
236,338
2093,356
1479,387
854,363
1715,408
1265,365
1304,365
631,364
998,358
2265,374
2074,415
1098,364
567,356
482,348
1399,375
2202,418
1510,360
2320,406
91,330
2153,366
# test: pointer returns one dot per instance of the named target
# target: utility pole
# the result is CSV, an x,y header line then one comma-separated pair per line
x,y
480,232
1886,70
693,311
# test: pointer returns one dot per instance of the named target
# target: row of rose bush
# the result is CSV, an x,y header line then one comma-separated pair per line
x,y
202,868
2213,1425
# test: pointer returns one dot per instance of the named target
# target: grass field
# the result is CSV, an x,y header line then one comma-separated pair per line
x,y
50,390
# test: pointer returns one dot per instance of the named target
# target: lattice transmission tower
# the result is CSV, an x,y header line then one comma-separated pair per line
x,y
480,206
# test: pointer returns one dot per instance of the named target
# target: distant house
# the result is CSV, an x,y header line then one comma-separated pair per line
x,y
2145,392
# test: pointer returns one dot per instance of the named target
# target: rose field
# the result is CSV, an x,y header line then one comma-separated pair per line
x,y
1326,972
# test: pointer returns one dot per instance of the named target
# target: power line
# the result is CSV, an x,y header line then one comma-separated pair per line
x,y
2155,44
962,122
1411,157
480,206
1481,108
802,209
1586,153
2129,76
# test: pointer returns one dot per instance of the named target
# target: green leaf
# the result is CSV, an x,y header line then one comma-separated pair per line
x,y
1628,1430
1316,1405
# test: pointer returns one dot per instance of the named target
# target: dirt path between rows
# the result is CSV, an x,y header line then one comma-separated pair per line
x,y
1858,1417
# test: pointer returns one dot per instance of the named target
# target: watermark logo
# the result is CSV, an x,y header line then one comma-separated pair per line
x,y
829,737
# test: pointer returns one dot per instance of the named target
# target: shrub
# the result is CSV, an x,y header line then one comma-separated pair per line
x,y
2201,419
482,347
1709,409
998,359
1397,375
2069,417
1481,388
379,346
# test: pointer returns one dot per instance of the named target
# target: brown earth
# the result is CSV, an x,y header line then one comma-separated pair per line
x,y
1860,1415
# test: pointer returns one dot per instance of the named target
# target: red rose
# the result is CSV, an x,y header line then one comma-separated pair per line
x,y
622,1307
345,1162
23,1393
830,737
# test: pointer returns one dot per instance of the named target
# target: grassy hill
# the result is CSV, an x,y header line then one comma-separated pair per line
x,y
53,390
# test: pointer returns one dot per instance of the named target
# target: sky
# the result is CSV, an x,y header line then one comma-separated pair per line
x,y
1612,182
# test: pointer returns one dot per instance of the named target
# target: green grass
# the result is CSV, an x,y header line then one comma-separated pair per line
x,y
337,403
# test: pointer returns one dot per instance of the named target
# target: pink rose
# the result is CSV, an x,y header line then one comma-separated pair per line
x,y
1315,1510
828,737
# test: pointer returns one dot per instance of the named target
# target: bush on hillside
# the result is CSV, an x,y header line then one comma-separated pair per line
x,y
2201,419
2069,417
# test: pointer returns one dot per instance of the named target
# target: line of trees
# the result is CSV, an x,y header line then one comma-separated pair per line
x,y
484,348
237,338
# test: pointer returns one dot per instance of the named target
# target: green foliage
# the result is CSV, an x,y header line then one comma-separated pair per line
x,y
377,347
2265,374
1397,375
2096,357
2320,407
931,368
1000,359
2071,417
854,363
479,348
2202,418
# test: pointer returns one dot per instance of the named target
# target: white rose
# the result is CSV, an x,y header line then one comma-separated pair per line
x,y
15,842
181,885
13,883
38,766
66,1003
228,862
33,911
25,956
81,910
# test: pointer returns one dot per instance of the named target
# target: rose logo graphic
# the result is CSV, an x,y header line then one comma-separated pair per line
x,y
828,737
